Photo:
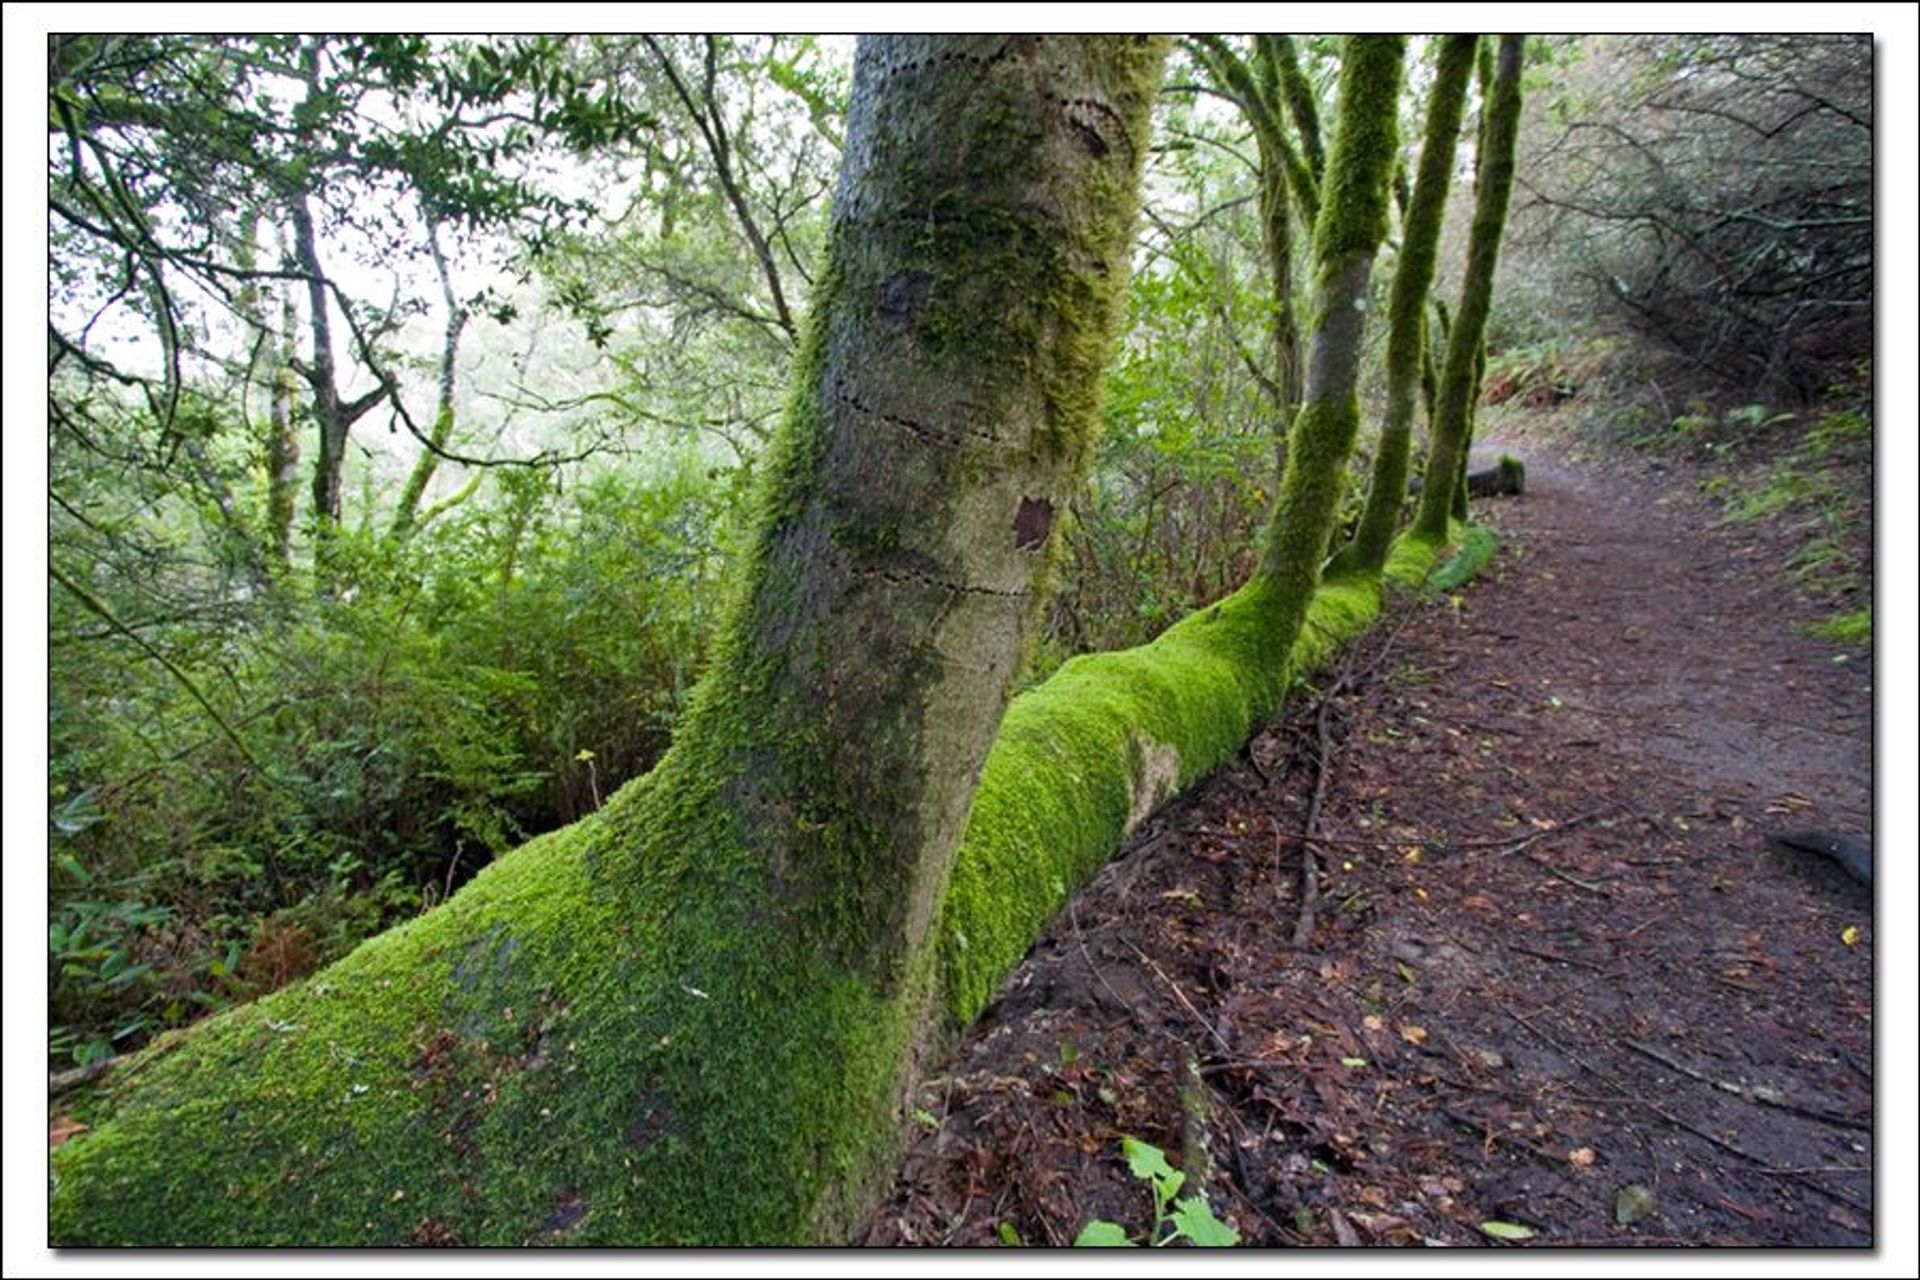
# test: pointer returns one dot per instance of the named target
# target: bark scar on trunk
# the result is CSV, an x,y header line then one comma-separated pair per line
x,y
1032,524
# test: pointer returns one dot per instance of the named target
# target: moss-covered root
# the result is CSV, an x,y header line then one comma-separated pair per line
x,y
689,1018
1088,756
1412,276
1447,451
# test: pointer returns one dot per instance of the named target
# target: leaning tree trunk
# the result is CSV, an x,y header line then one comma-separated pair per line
x,y
1413,275
690,1016
1353,217
1447,449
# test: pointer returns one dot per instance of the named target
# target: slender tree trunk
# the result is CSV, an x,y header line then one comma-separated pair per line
x,y
333,416
1353,215
1447,449
1413,275
1276,225
283,440
428,462
691,1016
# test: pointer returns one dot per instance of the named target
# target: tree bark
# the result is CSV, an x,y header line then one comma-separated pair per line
x,y
690,1017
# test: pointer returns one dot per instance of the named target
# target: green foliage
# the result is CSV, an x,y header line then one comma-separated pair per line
x,y
1534,375
1183,470
1191,1219
422,718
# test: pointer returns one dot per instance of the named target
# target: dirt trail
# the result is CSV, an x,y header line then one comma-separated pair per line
x,y
1552,956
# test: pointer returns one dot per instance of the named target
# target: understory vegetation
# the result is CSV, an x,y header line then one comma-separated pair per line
x,y
413,402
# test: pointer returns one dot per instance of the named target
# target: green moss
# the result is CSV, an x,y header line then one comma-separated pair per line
x,y
1473,553
1084,758
568,1050
1353,202
1854,627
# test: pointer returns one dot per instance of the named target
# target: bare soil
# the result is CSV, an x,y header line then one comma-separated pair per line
x,y
1551,957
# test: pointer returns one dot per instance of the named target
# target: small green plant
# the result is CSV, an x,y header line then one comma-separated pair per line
x,y
1782,490
1191,1219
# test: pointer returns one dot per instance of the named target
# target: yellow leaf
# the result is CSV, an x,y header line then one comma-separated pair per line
x,y
1583,1157
1412,1034
1851,935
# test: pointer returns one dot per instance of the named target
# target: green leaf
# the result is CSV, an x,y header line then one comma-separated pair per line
x,y
1100,1234
1507,1230
1149,1161
1193,1218
1010,1235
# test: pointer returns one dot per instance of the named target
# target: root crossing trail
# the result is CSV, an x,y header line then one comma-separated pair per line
x,y
1555,977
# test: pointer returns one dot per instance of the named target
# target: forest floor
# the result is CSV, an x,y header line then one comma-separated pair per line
x,y
1554,977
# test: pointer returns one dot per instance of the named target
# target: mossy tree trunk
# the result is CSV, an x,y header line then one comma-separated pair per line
x,y
1412,277
1352,221
690,1017
1276,228
1447,449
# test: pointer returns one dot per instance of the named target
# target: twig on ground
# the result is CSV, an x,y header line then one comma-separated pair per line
x,y
1179,995
1558,874
1747,1094
1556,957
1073,917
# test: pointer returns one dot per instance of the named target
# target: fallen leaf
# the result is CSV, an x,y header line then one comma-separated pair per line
x,y
1851,935
1583,1157
61,1128
1507,1230
1412,1034
1634,1202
